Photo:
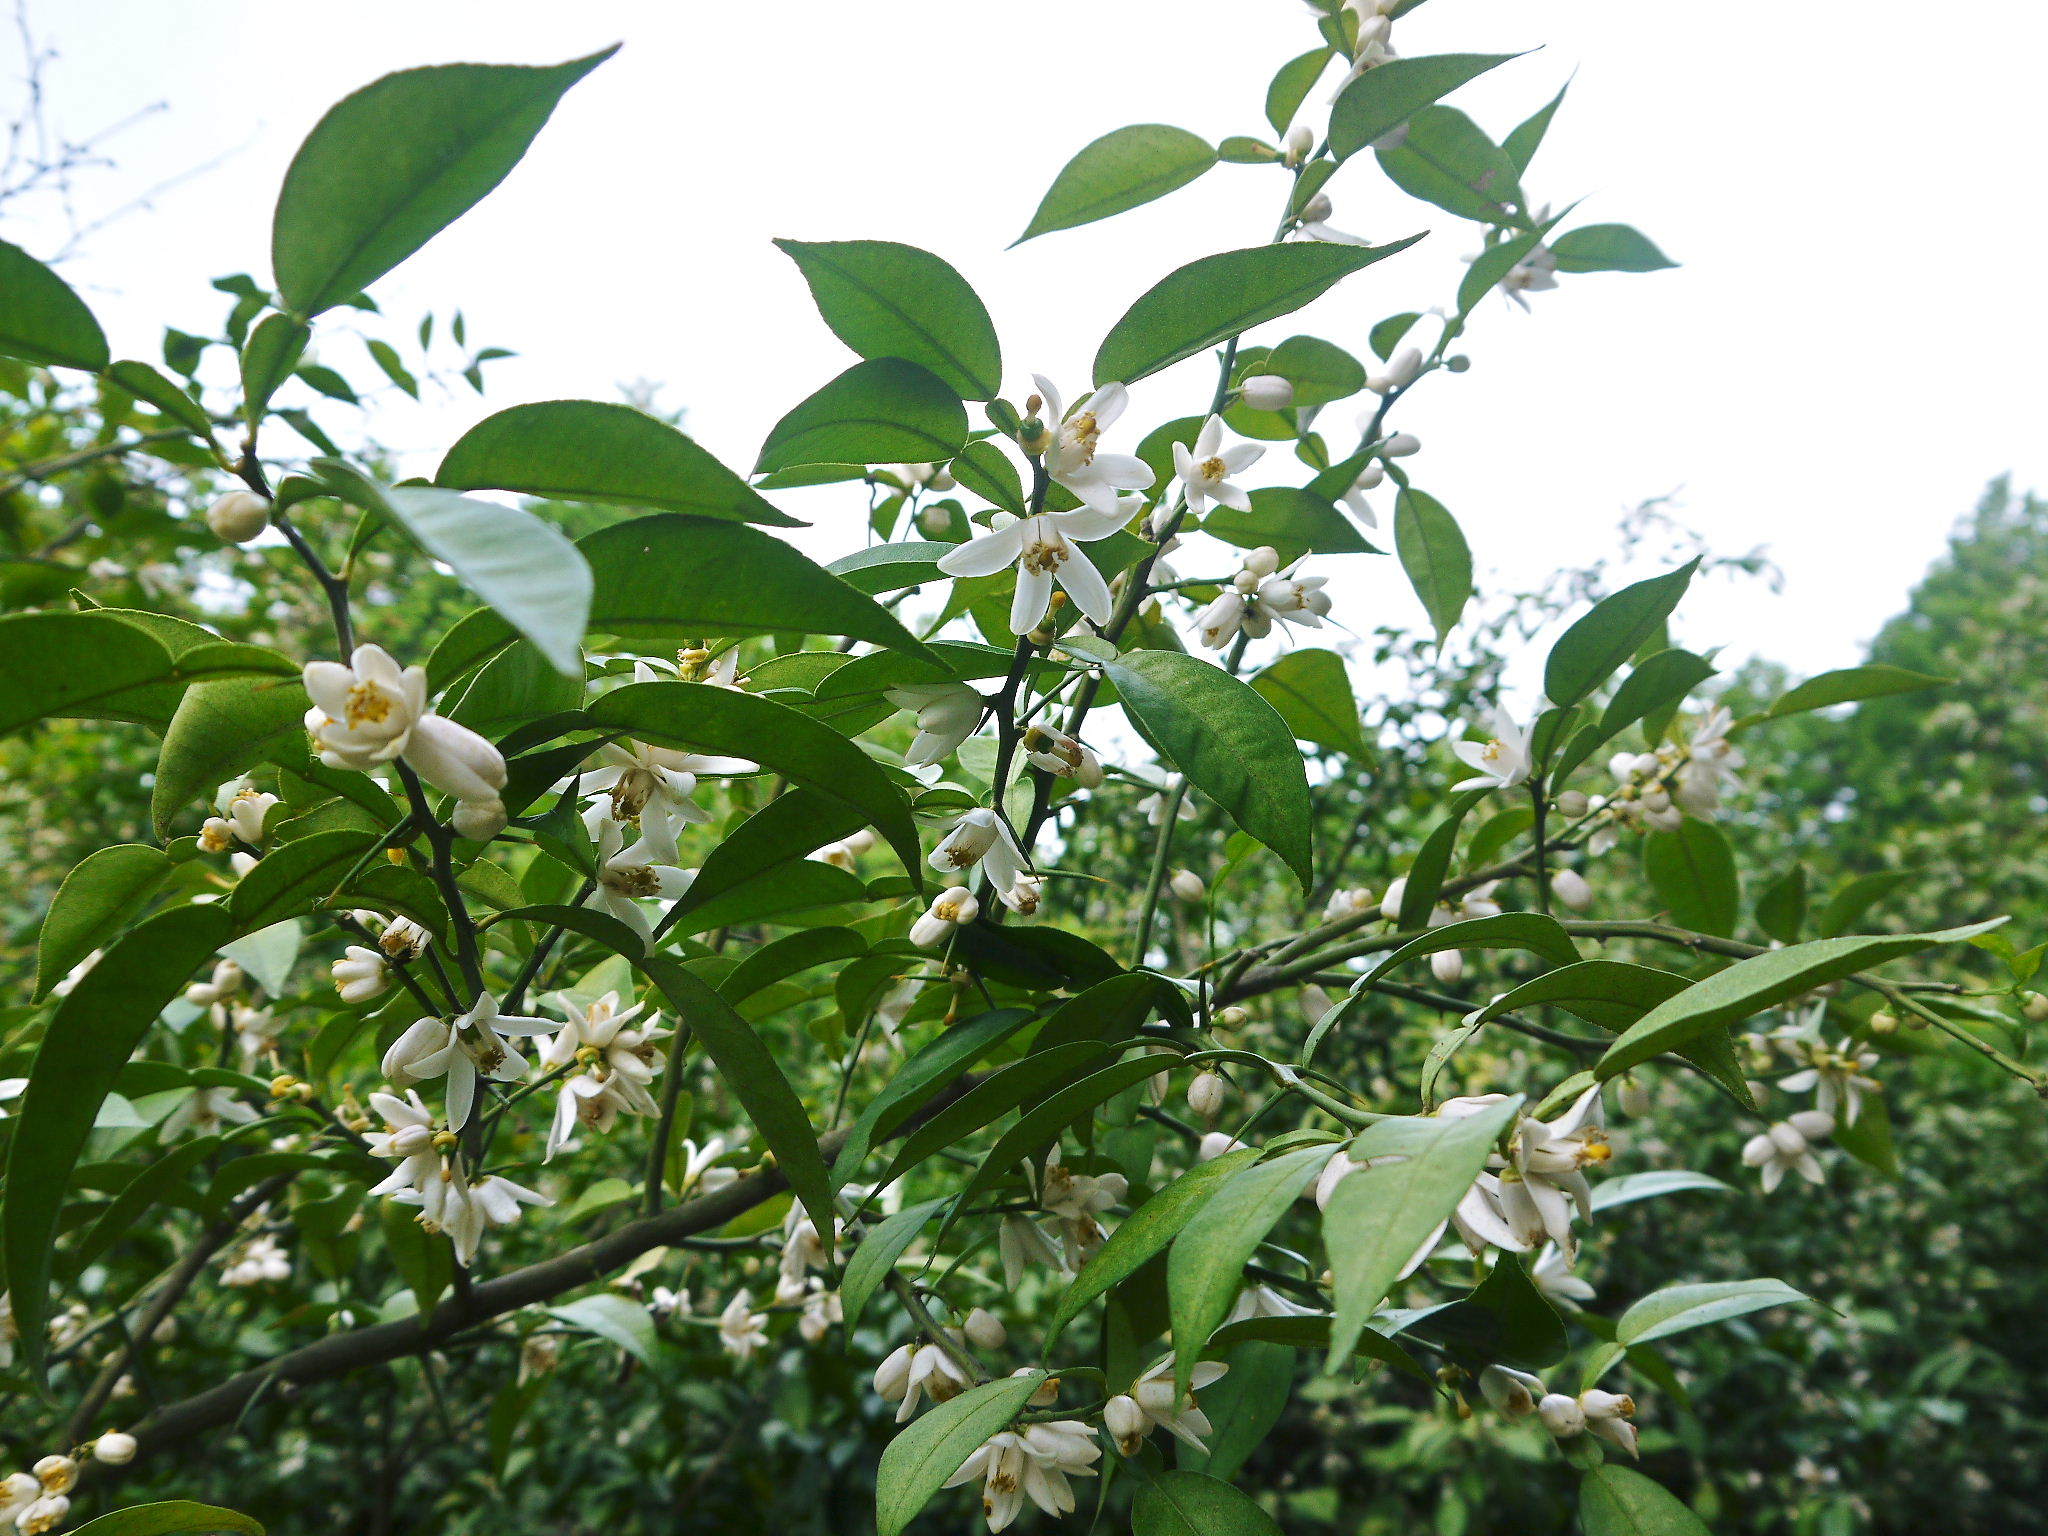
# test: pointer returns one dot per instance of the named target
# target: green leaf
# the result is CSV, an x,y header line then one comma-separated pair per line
x,y
269,954
1294,521
1763,981
725,722
1217,297
1432,861
785,829
1144,1234
1850,685
932,1065
1382,99
1591,651
1858,896
1119,171
1658,682
529,574
391,166
888,300
119,1218
931,1448
145,383
1048,1069
750,1070
591,450
1312,691
1607,248
1692,870
218,730
1868,1138
988,472
1380,1216
876,1257
1180,1503
1205,1266
1506,1319
891,567
1522,144
312,873
174,1517
1631,1187
1230,743
41,320
885,411
787,956
268,360
1679,1307
1291,85
615,1318
1613,1501
92,1033
96,901
1436,557
1444,158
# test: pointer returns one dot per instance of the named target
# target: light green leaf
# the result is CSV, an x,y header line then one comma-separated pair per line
x,y
1631,1187
1607,248
1858,896
1679,1307
269,954
1180,1503
891,567
174,1517
1292,521
1692,870
1762,981
218,730
885,411
1443,158
95,902
931,1448
1217,297
876,1257
1522,144
888,300
592,450
1291,85
617,1319
1230,743
1380,1216
1613,1501
726,722
391,166
989,472
41,320
91,1035
1851,684
1205,1266
1590,652
1436,557
147,384
1119,171
1382,99
1312,691
269,357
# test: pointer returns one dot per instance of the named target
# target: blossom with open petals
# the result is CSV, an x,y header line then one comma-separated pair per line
x,y
1501,761
1073,456
1043,548
1205,469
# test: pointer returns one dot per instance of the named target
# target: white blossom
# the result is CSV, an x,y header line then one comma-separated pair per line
x,y
1501,761
626,876
1042,547
463,1050
1204,470
1073,458
981,839
947,714
1176,1412
1061,756
363,713
360,974
949,909
1074,1200
204,1111
407,1138
1788,1145
1033,1463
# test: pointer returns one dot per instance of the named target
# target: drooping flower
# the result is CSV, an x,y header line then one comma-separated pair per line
x,y
1545,1177
1075,1200
1177,1412
1020,1242
1789,1145
1534,273
260,1261
204,1111
949,909
1552,1275
617,1065
1033,1463
407,1138
626,876
1204,470
1837,1077
700,1167
1501,761
464,1049
493,1201
1061,755
947,714
981,839
1353,500
914,1370
1712,765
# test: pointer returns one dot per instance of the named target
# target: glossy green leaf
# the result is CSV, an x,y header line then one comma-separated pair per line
x,y
1679,1307
1856,897
888,300
891,567
174,1517
1436,557
726,722
1379,1217
1432,861
1230,743
391,166
991,474
1631,1187
785,829
1312,691
749,1069
592,450
885,411
1208,301
218,730
1522,144
1607,248
1850,685
927,1070
1179,1503
95,902
876,1257
147,384
94,1030
1443,158
1205,1266
1382,99
787,956
268,359
1291,85
1692,870
1020,1085
929,1450
615,1318
1657,682
1504,1320
1119,171
1868,1138
1763,981
1596,646
41,320
1292,521
1613,1501
268,954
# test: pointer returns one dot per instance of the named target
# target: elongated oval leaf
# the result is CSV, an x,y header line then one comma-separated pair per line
x,y
885,411
1436,557
615,1318
1750,986
1180,1503
1589,653
1607,248
1211,300
96,900
391,166
1206,1264
1692,870
1851,684
93,1032
1613,1501
74,665
41,320
1119,171
1679,1307
1230,743
174,1517
591,450
1444,158
876,1257
888,300
930,1449
1382,99
726,722
1631,1187
1658,683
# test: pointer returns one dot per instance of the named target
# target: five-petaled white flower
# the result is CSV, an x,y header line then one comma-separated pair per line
x,y
1837,1076
651,788
1501,761
408,1137
465,1049
742,1330
1042,547
205,1111
913,1370
617,1065
363,713
1789,1145
467,1208
981,839
1204,471
1073,459
1545,1178
628,875
1160,1404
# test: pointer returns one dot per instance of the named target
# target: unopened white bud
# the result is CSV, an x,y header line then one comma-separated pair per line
x,y
1562,1415
1512,1392
1402,444
892,1376
1187,885
1570,887
1317,209
1572,803
479,820
933,521
56,1473
1232,1017
1448,966
1633,1097
985,1330
1403,369
1205,1095
1126,1423
238,516
1267,392
1262,562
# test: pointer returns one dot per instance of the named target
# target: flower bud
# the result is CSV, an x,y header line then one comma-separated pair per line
x,y
1812,1124
45,1514
17,1489
1448,966
1232,1017
56,1473
1569,886
1458,362
985,1330
1513,1393
1300,140
1214,1145
115,1448
1633,1097
238,516
1187,885
934,521
1402,444
1048,1391
892,1376
1884,1022
1205,1095
1573,803
1267,392
1561,1415
2035,1008
1317,209
1126,1423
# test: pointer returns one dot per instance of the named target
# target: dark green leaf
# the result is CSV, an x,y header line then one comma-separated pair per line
x,y
218,730
1120,170
1522,144
888,300
175,1517
1692,870
268,360
1179,1503
1312,691
1613,1501
1781,909
94,903
876,1257
1382,99
1858,896
41,320
1590,652
930,1449
885,411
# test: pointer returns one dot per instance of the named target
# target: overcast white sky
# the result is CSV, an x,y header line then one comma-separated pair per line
x,y
1849,351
